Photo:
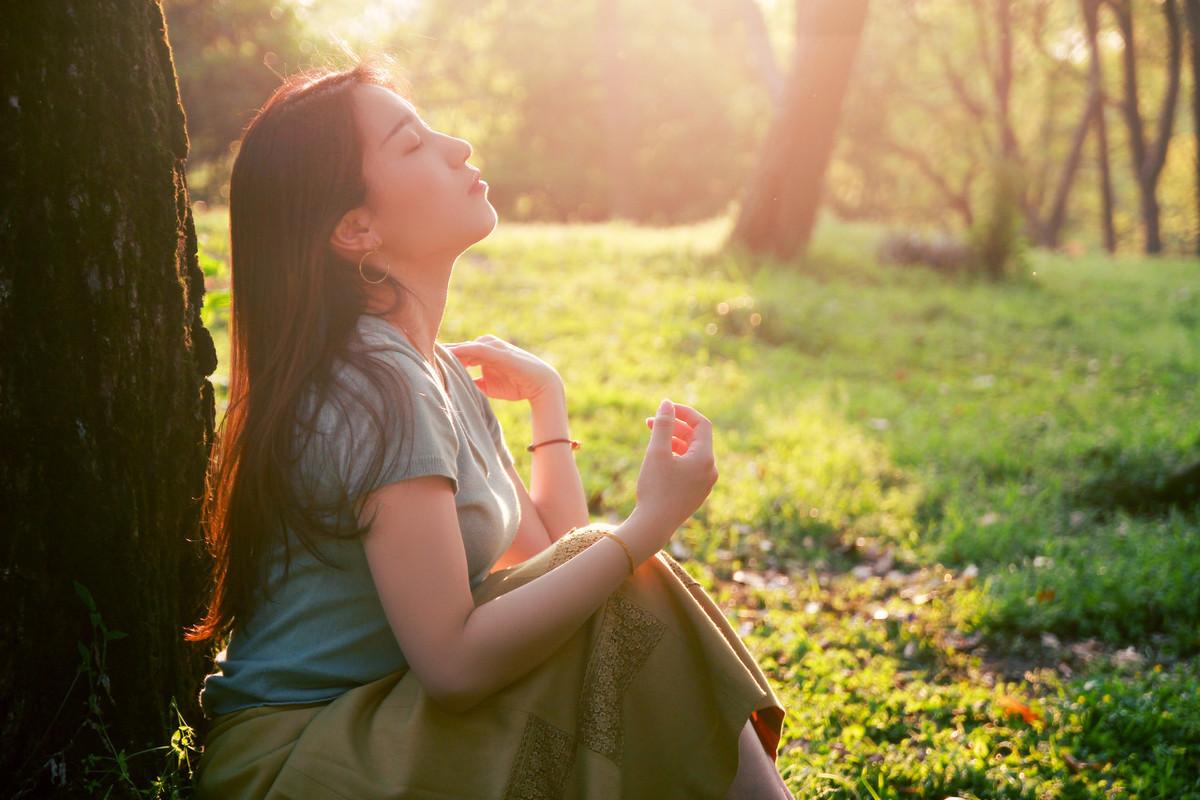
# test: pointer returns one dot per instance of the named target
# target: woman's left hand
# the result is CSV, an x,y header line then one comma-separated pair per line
x,y
509,373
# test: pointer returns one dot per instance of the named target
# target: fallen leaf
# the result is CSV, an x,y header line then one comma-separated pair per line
x,y
1015,708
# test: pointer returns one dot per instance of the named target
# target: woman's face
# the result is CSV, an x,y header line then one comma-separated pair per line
x,y
418,182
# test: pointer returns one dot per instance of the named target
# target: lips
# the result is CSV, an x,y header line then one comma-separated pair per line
x,y
477,184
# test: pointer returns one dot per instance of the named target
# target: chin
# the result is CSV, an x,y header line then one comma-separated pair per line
x,y
487,223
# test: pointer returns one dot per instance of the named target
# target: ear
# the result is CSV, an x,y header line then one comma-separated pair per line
x,y
352,236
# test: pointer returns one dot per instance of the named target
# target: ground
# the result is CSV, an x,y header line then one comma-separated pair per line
x,y
940,521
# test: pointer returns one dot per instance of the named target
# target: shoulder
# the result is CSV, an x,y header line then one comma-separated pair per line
x,y
381,368
384,351
377,335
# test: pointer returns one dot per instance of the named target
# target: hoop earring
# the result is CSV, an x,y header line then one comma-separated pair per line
x,y
364,277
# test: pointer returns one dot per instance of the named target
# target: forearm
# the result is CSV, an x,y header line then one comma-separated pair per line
x,y
554,484
506,637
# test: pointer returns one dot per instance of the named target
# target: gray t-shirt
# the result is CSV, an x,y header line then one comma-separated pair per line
x,y
325,630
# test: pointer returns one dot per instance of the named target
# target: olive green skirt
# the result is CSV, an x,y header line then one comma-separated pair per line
x,y
646,700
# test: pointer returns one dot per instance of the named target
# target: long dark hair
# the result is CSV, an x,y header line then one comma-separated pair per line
x,y
294,306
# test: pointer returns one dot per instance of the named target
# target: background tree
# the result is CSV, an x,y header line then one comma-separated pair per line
x,y
1091,18
229,56
780,203
1000,55
657,112
107,415
1192,15
1147,157
916,141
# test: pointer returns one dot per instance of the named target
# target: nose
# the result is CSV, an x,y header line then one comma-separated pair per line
x,y
467,145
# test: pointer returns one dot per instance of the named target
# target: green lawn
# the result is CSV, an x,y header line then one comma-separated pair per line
x,y
921,524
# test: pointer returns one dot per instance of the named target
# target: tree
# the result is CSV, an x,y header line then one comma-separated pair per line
x,y
602,108
995,59
228,56
1147,157
1192,14
107,416
780,203
1091,14
982,81
758,44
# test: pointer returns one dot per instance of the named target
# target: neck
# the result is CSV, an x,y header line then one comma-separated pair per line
x,y
430,282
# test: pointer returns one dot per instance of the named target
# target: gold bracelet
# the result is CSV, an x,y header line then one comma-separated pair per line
x,y
619,541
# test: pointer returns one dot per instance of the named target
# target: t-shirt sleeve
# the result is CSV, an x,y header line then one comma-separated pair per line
x,y
393,431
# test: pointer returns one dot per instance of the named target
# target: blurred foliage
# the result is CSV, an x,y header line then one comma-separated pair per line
x,y
996,237
528,88
228,56
679,124
655,112
942,251
919,132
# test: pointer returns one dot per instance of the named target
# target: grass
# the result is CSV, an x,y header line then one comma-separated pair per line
x,y
919,524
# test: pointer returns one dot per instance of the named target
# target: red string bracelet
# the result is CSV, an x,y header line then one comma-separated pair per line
x,y
575,443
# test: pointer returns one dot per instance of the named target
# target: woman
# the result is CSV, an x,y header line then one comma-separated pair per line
x,y
404,619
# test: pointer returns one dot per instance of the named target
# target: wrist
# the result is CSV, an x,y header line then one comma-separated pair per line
x,y
548,414
552,395
643,533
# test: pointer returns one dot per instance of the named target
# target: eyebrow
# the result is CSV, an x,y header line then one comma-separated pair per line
x,y
405,120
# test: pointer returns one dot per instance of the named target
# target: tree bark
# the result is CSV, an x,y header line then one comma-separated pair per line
x,y
107,417
781,201
1091,19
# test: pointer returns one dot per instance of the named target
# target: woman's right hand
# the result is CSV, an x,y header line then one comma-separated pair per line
x,y
678,470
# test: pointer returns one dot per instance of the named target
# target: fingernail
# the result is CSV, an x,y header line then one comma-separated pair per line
x,y
665,406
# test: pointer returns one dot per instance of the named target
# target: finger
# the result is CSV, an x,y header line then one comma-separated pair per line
x,y
682,429
660,435
473,353
464,352
701,445
690,415
678,446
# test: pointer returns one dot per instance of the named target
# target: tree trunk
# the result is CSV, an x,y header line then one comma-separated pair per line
x,y
1091,18
1004,78
107,416
1192,14
1051,229
758,42
781,200
1148,158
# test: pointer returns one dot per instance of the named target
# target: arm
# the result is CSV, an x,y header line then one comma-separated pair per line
x,y
460,653
556,488
531,537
